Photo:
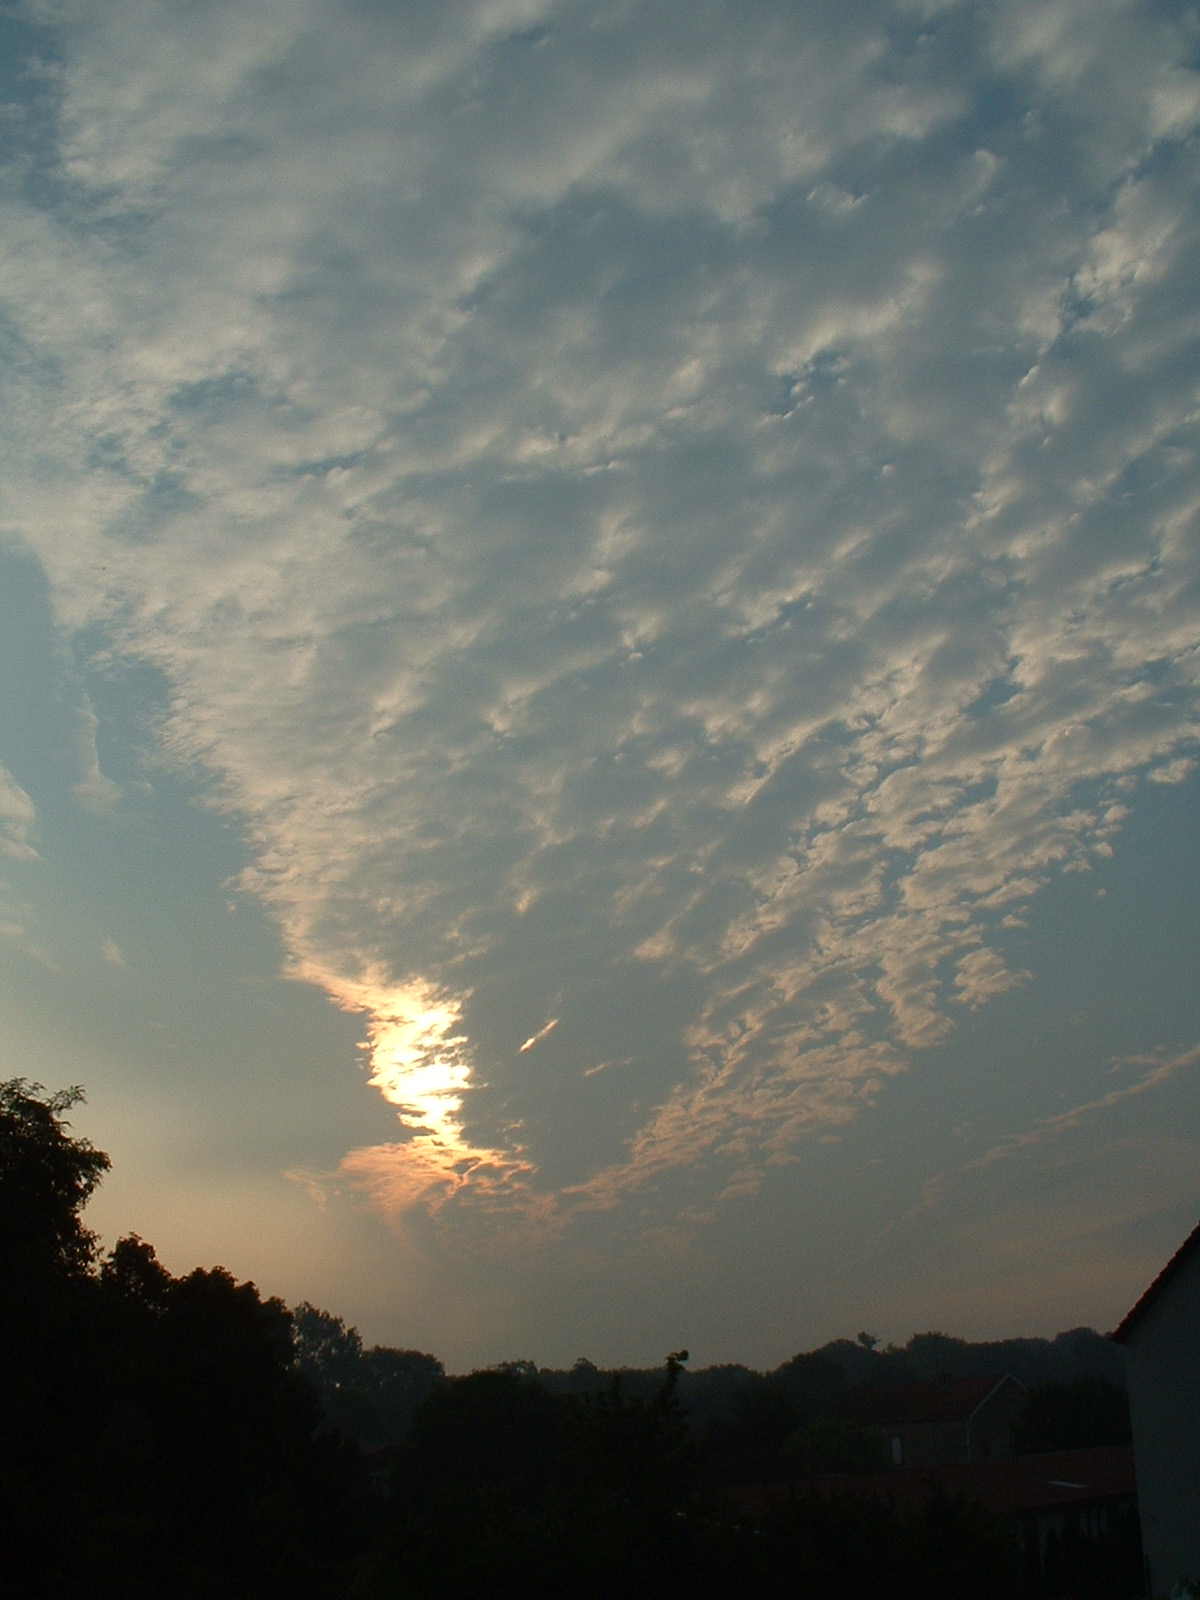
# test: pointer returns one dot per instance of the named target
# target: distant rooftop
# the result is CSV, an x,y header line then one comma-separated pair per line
x,y
937,1400
1011,1487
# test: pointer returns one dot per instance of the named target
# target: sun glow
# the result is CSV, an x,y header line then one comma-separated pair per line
x,y
419,1057
420,1061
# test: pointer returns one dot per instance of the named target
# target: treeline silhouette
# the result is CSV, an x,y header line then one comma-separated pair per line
x,y
185,1437
749,1426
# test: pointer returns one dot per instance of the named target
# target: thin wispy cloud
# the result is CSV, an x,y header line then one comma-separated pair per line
x,y
17,819
678,528
536,1038
1148,1073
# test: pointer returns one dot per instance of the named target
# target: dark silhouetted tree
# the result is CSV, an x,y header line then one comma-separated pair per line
x,y
370,1395
46,1179
1072,1416
48,1350
508,1489
155,1436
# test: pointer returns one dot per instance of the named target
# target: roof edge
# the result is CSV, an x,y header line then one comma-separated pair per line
x,y
995,1389
1134,1315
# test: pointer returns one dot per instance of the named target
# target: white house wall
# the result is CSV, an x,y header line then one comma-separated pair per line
x,y
1163,1351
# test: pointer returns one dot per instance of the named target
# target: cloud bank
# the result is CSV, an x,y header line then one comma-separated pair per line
x,y
667,529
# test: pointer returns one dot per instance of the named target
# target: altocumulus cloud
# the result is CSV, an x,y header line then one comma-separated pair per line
x,y
668,523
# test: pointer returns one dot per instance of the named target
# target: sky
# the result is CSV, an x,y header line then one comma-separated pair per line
x,y
600,655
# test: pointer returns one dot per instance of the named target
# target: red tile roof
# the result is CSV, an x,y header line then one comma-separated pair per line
x,y
1132,1317
1009,1487
1040,1483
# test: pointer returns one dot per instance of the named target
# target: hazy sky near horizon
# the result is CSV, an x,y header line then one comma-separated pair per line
x,y
600,654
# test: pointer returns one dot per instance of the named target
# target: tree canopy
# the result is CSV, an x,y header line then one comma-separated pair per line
x,y
46,1178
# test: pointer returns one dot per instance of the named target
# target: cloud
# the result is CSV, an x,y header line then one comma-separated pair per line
x,y
15,934
536,1038
678,531
1155,1071
18,827
1149,1073
17,820
1173,771
94,791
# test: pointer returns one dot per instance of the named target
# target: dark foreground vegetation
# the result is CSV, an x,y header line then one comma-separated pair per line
x,y
184,1437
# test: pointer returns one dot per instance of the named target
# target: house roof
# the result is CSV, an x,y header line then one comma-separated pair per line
x,y
1041,1483
883,1405
1009,1486
1189,1248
